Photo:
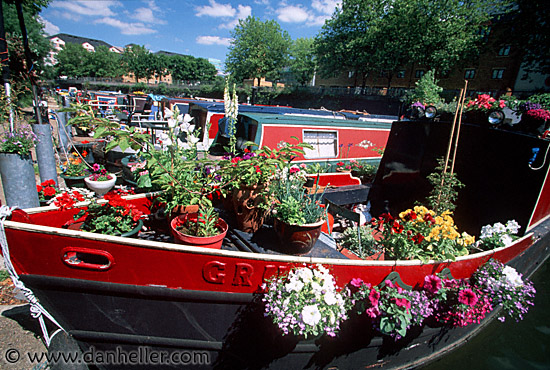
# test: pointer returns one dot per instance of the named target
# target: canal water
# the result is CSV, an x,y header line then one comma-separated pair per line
x,y
509,345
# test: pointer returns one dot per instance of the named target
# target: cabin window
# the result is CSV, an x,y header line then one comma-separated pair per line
x,y
504,51
497,73
324,143
469,74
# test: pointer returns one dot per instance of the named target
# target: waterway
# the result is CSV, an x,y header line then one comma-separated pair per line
x,y
509,345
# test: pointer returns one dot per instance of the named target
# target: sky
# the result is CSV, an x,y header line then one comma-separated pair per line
x,y
201,28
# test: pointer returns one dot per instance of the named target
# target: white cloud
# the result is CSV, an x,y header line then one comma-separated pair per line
x,y
213,40
317,21
292,14
325,6
90,8
242,12
49,27
215,10
125,27
150,14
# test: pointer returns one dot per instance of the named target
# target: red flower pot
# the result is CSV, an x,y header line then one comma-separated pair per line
x,y
214,242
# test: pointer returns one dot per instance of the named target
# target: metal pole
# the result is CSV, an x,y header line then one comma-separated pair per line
x,y
5,64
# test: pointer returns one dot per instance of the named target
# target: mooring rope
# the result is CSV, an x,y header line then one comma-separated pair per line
x,y
37,311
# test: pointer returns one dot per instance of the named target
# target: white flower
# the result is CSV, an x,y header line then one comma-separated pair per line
x,y
192,140
330,298
317,288
305,274
168,113
294,285
311,315
512,277
512,226
506,240
499,228
172,122
486,232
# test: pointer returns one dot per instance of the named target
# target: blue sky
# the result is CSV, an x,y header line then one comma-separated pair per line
x,y
200,28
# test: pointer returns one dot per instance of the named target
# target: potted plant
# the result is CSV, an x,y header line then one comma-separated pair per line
x,y
47,191
16,167
100,181
298,217
117,216
251,173
306,303
75,171
365,171
360,242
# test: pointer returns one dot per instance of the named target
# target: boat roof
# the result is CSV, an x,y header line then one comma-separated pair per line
x,y
219,107
266,118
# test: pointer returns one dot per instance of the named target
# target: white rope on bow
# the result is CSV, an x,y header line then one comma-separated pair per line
x,y
37,311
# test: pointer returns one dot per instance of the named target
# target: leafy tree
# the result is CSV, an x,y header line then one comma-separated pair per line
x,y
39,45
385,35
259,49
73,61
104,63
159,66
136,60
427,91
302,62
206,71
531,33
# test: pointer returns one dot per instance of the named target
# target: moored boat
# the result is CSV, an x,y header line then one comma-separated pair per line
x,y
108,291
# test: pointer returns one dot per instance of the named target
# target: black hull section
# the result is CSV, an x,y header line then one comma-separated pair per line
x,y
229,331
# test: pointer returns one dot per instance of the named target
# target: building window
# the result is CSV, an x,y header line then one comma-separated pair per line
x,y
497,74
324,143
419,73
401,74
444,73
504,51
469,74
350,74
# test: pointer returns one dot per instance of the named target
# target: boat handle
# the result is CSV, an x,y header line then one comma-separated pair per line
x,y
90,259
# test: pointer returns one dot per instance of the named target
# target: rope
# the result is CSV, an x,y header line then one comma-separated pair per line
x,y
37,311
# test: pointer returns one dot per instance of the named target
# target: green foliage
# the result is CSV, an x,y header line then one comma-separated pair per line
x,y
381,36
293,205
20,141
136,60
445,184
38,43
140,86
259,49
104,63
72,61
426,91
302,62
4,274
542,99
359,240
107,218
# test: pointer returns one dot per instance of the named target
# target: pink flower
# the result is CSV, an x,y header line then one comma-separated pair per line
x,y
432,284
403,302
356,282
467,297
502,104
374,297
294,169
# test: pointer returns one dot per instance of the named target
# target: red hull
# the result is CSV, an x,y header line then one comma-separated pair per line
x,y
39,247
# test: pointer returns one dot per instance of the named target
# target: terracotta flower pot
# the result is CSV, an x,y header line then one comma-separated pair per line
x,y
245,201
296,239
214,242
101,187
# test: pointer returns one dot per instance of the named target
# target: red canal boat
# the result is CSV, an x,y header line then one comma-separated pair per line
x,y
109,292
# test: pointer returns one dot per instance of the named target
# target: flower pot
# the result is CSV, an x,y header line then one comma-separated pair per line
x,y
296,239
128,234
100,187
245,201
18,180
213,242
73,181
181,211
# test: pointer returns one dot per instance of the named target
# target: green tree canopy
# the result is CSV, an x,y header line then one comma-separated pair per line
x,y
136,60
39,45
73,61
104,63
259,49
385,35
531,33
302,60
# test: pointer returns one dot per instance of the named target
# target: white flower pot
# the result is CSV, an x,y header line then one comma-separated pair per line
x,y
101,187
